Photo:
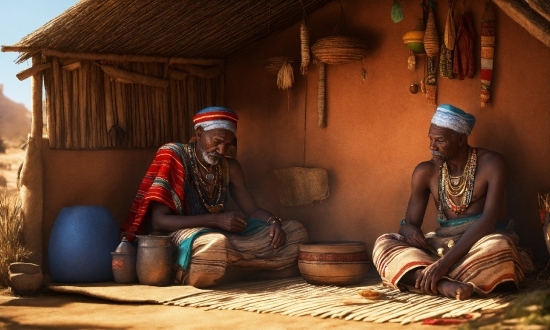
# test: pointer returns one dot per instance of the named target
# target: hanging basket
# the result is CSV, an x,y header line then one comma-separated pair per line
x,y
339,50
274,64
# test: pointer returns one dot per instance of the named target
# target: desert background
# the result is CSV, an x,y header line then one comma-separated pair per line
x,y
15,125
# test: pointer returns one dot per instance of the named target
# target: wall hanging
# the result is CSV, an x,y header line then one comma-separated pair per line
x,y
304,46
414,40
463,64
431,45
335,50
488,21
396,11
282,67
447,46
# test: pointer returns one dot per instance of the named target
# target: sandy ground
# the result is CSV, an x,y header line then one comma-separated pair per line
x,y
67,311
9,166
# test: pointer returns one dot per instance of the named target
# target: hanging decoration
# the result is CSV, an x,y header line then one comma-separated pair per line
x,y
304,42
431,45
463,64
281,66
447,47
488,20
414,40
396,11
335,50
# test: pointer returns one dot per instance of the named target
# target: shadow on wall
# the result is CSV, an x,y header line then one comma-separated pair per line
x,y
521,184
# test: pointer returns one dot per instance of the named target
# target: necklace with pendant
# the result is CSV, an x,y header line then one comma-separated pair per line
x,y
209,175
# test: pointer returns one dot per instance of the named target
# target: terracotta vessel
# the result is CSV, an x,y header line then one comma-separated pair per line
x,y
124,262
333,263
154,260
24,277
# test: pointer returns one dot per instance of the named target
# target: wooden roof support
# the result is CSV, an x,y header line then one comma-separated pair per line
x,y
33,70
525,16
132,77
541,6
115,57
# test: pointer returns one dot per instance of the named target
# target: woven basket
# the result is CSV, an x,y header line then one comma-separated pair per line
x,y
274,64
431,41
339,50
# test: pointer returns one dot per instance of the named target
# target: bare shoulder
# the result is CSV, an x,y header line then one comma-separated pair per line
x,y
490,158
425,169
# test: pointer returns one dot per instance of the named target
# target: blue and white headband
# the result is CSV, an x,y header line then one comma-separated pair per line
x,y
453,118
216,117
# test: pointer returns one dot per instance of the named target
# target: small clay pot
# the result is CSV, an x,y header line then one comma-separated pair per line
x,y
414,88
25,278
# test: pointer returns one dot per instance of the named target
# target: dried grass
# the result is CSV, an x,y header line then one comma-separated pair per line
x,y
11,225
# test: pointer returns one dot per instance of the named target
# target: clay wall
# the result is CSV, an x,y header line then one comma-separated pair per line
x,y
376,132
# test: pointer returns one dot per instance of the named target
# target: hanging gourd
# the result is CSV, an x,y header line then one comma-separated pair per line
x,y
335,50
304,43
431,45
414,40
488,21
447,46
396,11
281,66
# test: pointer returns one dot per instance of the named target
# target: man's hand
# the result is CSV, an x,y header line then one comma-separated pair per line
x,y
414,237
231,221
278,234
427,280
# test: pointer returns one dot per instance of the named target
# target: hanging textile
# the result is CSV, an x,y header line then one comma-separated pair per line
x,y
431,45
447,47
487,51
463,64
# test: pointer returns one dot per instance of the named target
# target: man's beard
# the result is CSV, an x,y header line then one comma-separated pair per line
x,y
211,158
438,157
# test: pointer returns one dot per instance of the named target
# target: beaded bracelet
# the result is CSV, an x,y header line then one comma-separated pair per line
x,y
274,219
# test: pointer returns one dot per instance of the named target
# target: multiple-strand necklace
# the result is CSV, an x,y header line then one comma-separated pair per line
x,y
461,186
212,195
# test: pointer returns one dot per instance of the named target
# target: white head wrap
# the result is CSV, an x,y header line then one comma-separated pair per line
x,y
453,118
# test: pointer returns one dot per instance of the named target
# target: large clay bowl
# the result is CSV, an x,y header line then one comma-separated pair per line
x,y
333,263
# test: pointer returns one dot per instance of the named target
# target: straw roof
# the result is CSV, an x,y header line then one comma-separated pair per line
x,y
168,28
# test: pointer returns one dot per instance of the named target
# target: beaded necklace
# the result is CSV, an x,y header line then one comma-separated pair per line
x,y
205,191
457,186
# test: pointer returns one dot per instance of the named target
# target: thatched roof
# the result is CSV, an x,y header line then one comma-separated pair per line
x,y
215,29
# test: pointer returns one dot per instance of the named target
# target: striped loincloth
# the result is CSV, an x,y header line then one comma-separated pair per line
x,y
493,260
215,253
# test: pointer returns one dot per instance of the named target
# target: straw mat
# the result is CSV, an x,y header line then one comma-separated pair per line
x,y
295,297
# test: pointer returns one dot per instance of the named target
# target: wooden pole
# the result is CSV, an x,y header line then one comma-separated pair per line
x,y
33,70
535,24
31,191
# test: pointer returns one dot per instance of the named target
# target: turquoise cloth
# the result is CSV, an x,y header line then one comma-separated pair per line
x,y
458,222
186,246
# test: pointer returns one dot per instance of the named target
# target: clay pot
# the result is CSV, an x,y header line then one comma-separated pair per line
x,y
333,263
25,278
154,260
124,262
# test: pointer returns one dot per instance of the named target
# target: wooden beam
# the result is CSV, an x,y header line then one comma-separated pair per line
x,y
33,70
522,14
542,7
127,76
19,49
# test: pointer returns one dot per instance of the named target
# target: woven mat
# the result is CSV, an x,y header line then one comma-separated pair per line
x,y
295,297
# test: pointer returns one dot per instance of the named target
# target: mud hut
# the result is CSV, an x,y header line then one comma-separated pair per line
x,y
123,77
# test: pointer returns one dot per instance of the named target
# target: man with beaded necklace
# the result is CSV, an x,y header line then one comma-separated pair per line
x,y
184,193
474,250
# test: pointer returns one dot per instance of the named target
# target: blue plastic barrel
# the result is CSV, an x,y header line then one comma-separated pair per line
x,y
81,242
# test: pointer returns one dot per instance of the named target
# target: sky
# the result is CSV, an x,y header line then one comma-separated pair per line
x,y
19,18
